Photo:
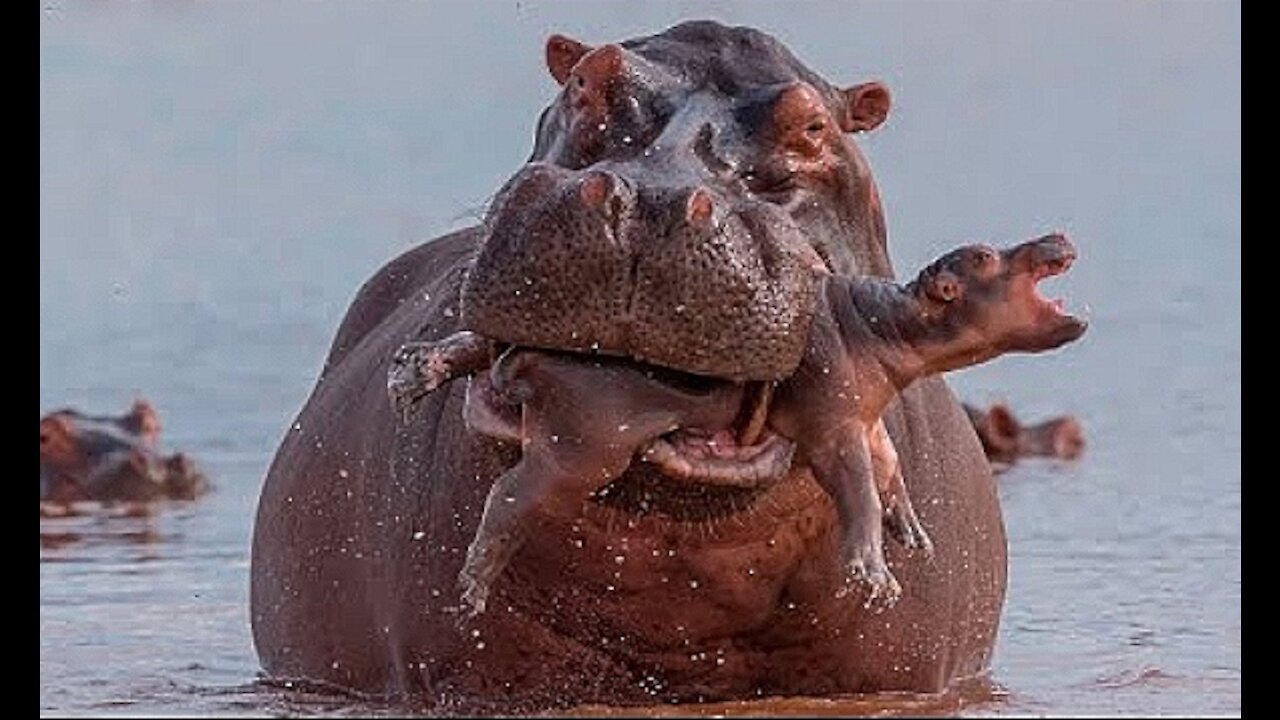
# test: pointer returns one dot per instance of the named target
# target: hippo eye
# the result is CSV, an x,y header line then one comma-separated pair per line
x,y
817,127
44,438
983,257
579,81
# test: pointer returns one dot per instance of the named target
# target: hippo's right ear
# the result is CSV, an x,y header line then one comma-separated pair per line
x,y
562,54
865,107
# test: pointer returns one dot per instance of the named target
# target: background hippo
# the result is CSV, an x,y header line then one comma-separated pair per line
x,y
110,459
724,135
1005,439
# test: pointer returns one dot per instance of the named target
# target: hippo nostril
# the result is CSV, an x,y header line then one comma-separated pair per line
x,y
597,189
699,207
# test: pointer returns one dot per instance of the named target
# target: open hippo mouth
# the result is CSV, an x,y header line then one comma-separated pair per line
x,y
1054,260
722,442
721,457
1036,261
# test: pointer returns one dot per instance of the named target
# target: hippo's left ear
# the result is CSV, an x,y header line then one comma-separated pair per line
x,y
562,54
865,107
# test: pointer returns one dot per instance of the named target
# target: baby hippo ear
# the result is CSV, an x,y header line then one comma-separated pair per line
x,y
865,107
943,287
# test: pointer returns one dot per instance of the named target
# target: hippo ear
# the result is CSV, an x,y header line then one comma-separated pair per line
x,y
562,54
144,419
865,107
54,427
1003,422
943,287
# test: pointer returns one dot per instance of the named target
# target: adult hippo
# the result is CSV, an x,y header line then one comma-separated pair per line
x,y
682,191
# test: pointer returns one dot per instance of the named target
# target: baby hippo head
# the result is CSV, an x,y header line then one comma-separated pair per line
x,y
983,302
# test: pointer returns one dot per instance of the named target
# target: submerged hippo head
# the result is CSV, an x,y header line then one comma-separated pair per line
x,y
984,302
111,458
683,190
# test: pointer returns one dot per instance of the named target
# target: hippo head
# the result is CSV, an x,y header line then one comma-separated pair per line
x,y
980,302
684,191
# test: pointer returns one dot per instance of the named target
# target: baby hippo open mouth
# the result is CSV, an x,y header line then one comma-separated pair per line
x,y
582,420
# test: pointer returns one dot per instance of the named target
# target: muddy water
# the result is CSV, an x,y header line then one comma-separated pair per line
x,y
217,180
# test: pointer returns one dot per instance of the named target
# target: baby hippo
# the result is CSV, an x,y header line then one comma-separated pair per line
x,y
582,419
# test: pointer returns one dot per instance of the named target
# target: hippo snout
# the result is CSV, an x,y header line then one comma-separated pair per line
x,y
676,274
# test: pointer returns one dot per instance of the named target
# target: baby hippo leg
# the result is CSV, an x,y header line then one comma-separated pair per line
x,y
899,516
418,368
844,469
503,526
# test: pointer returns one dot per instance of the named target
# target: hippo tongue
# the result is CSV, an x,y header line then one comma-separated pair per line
x,y
718,459
719,444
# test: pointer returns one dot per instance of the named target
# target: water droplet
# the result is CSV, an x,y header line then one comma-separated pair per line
x,y
475,633
693,584
343,473
480,645
419,535
619,559
624,427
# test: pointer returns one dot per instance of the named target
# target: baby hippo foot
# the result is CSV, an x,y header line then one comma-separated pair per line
x,y
485,563
417,369
475,592
902,524
866,569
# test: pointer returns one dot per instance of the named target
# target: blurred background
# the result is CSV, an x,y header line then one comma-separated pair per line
x,y
218,179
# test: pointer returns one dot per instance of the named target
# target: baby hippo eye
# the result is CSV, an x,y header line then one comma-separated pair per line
x,y
982,258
